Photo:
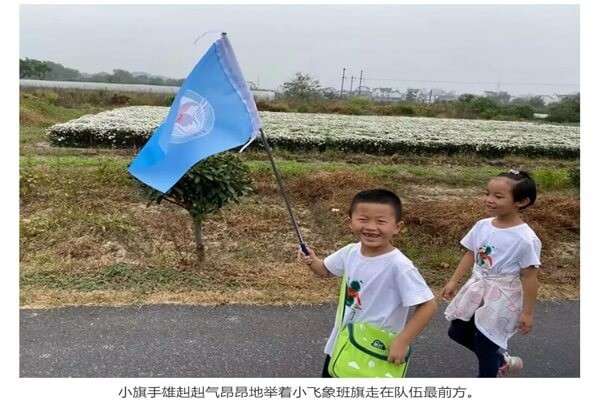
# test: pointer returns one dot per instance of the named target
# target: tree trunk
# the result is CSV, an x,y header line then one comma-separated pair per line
x,y
199,242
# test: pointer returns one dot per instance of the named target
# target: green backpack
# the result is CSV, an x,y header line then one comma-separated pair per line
x,y
361,349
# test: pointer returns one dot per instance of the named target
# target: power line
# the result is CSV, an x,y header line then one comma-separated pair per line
x,y
474,82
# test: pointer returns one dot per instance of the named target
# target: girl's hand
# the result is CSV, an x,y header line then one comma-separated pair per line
x,y
398,352
306,259
448,291
525,323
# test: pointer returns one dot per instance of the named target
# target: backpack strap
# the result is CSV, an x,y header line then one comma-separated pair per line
x,y
341,308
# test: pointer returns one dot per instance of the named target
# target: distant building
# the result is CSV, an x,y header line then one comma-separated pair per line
x,y
550,98
259,94
447,97
263,94
363,91
501,96
329,91
386,94
442,95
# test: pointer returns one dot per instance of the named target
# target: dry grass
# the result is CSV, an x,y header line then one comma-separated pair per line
x,y
88,238
554,216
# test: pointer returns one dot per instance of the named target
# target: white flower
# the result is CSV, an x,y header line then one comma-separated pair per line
x,y
347,133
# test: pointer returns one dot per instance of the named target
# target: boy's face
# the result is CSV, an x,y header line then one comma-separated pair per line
x,y
375,225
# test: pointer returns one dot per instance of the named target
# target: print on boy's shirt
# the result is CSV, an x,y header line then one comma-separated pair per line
x,y
352,299
483,258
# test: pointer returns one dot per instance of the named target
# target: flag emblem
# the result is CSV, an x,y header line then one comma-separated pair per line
x,y
195,118
213,112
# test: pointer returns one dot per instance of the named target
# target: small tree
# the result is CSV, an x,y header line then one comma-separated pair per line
x,y
35,69
412,95
567,110
537,103
302,87
520,111
205,189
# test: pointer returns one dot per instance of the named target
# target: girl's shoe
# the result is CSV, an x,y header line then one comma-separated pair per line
x,y
511,365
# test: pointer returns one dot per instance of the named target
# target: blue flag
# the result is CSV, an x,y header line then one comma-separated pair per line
x,y
213,111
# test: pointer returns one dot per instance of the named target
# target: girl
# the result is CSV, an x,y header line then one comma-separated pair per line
x,y
493,304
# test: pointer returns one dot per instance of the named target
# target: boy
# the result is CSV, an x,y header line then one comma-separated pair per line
x,y
382,283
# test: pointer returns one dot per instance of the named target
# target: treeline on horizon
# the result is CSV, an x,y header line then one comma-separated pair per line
x,y
302,95
465,107
47,70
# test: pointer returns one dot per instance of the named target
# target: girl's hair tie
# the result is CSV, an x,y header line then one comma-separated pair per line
x,y
513,171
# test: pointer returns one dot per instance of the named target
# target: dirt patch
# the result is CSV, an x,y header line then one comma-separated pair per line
x,y
439,193
331,187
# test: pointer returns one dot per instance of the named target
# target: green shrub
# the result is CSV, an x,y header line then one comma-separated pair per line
x,y
279,106
565,111
520,111
29,180
482,104
574,176
205,189
424,111
304,108
549,179
49,96
168,100
362,102
384,110
489,113
354,109
119,99
403,109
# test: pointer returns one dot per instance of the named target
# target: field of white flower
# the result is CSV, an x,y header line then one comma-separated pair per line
x,y
131,126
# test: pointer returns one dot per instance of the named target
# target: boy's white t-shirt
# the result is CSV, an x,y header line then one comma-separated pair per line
x,y
500,251
380,289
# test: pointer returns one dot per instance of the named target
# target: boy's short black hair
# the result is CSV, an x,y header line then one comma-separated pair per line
x,y
524,188
378,196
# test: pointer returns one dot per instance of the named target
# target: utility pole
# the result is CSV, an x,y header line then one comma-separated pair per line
x,y
360,83
342,89
430,92
351,82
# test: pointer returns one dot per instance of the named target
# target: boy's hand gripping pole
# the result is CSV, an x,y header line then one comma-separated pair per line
x,y
283,192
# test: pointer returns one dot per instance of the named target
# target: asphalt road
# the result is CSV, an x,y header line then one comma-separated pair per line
x,y
254,341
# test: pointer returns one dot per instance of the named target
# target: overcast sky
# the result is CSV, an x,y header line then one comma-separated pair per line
x,y
470,48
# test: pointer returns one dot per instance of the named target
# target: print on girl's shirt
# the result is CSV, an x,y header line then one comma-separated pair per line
x,y
483,258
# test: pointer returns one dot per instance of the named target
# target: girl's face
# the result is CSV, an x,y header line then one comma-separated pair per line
x,y
375,225
499,199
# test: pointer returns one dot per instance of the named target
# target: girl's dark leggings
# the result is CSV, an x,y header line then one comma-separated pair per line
x,y
467,334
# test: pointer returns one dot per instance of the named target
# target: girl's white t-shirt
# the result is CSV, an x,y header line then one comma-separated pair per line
x,y
380,289
500,251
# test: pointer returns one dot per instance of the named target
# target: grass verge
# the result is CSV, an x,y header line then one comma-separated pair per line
x,y
87,237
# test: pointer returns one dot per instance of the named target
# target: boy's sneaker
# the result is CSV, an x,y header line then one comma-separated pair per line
x,y
511,365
